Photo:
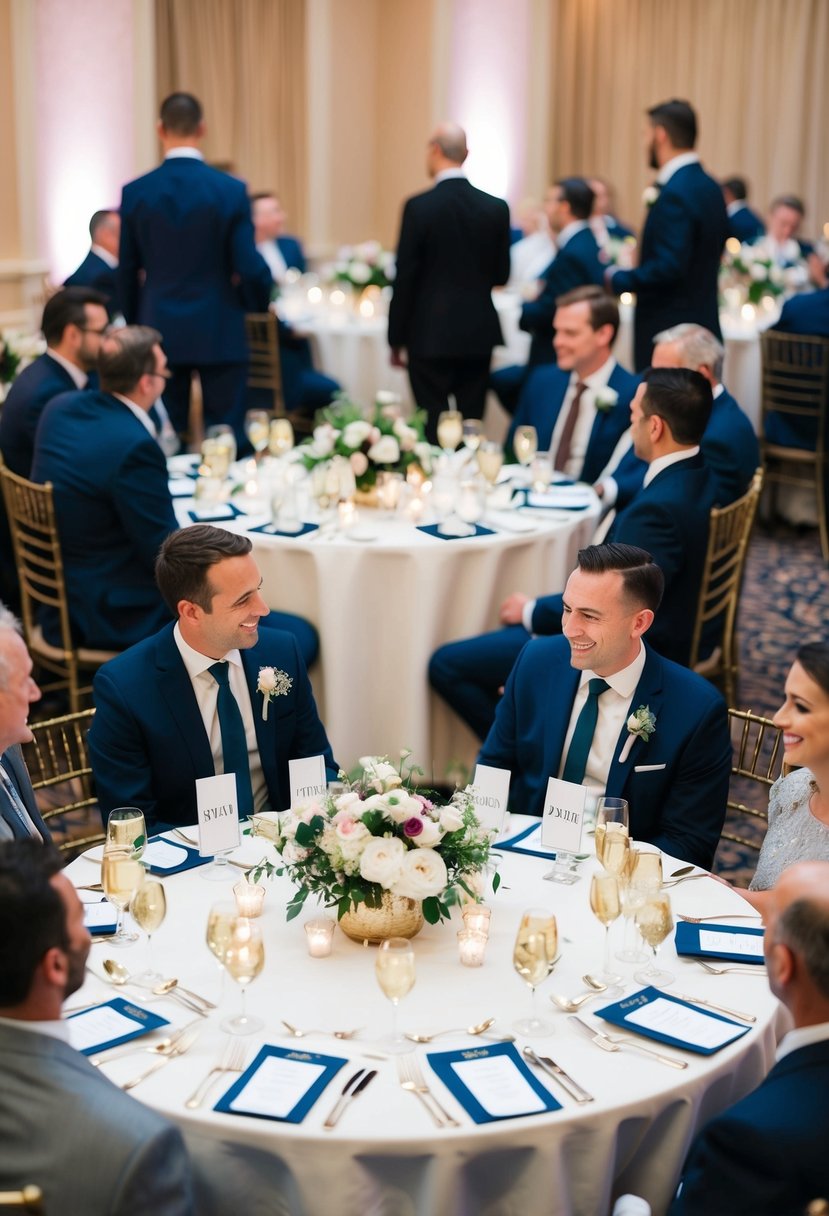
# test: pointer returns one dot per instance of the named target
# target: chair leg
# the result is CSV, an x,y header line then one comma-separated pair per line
x,y
820,485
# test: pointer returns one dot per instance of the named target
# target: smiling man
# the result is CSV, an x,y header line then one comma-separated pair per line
x,y
565,709
185,704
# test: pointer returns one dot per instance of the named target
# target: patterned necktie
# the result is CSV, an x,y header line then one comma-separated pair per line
x,y
576,762
20,821
566,438
234,743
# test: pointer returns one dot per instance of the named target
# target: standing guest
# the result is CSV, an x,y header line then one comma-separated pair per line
x,y
683,237
186,254
88,1146
19,814
453,249
743,223
100,264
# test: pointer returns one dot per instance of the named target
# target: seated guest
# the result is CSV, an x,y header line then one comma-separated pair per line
x,y
669,517
782,241
185,703
64,1126
531,251
603,224
100,264
804,314
766,1155
743,223
580,406
280,251
19,816
566,704
575,264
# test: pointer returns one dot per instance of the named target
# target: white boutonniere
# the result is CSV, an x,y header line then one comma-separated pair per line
x,y
605,399
641,724
272,683
651,194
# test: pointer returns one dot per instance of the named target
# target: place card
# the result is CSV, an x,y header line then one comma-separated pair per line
x,y
730,942
563,817
307,778
110,1024
280,1084
491,791
217,811
492,1083
527,841
100,917
657,1015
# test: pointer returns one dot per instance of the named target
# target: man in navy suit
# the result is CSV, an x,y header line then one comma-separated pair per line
x,y
766,1156
100,264
576,264
157,726
580,407
186,255
281,252
743,223
676,780
669,518
802,314
19,814
453,249
602,222
683,237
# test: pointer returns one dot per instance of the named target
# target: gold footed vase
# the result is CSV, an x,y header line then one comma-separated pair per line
x,y
397,916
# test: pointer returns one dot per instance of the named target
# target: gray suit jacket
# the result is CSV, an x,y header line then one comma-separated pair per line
x,y
89,1147
15,766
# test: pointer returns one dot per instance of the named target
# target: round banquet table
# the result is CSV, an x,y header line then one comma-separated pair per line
x,y
385,1155
383,606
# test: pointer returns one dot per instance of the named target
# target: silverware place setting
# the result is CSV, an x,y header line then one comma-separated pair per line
x,y
616,1042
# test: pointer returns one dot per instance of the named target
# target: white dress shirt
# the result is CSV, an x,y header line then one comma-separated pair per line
x,y
663,462
614,709
673,165
272,254
105,256
802,1036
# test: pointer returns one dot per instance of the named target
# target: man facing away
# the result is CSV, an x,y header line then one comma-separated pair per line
x,y
98,269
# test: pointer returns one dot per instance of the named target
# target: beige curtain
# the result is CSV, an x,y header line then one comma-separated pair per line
x,y
756,71
245,61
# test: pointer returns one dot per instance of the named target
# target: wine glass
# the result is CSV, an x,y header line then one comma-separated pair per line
x,y
655,923
219,925
533,956
126,829
215,456
605,906
257,429
612,839
121,875
632,897
490,459
395,971
471,501
646,869
280,436
450,430
473,433
148,909
541,472
244,958
525,444
225,438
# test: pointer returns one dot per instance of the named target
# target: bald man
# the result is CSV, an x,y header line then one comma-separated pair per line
x,y
766,1156
453,249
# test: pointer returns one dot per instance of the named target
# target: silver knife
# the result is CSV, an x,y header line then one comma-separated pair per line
x,y
731,1013
337,1108
558,1074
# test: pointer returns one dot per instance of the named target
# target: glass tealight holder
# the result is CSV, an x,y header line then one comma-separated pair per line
x,y
476,917
319,934
250,899
471,947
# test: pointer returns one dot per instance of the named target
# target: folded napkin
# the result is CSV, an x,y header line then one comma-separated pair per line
x,y
434,530
212,515
733,943
655,1014
272,530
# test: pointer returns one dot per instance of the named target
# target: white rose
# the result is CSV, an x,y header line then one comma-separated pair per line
x,y
381,774
267,679
349,801
358,462
385,451
356,433
369,251
382,860
451,818
292,853
401,805
322,443
407,437
633,723
758,271
423,873
423,451
359,272
384,396
430,835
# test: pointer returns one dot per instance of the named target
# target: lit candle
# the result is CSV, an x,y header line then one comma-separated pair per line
x,y
337,298
626,298
314,295
476,917
348,516
249,899
747,312
319,934
366,309
471,947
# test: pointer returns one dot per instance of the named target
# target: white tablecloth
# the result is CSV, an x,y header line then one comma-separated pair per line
x,y
386,1156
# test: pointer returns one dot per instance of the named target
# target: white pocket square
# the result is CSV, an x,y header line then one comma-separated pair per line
x,y
648,768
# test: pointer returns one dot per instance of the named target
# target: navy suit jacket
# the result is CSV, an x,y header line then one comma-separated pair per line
x,y
540,405
113,509
576,265
682,243
802,314
15,766
148,743
746,225
292,252
28,396
678,805
187,228
766,1156
453,249
94,272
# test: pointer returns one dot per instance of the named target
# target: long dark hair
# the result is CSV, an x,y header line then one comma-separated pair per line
x,y
813,657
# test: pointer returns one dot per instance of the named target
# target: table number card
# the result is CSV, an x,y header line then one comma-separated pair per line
x,y
307,778
490,796
561,824
218,814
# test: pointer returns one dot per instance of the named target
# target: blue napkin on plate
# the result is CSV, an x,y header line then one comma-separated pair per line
x,y
270,530
619,1015
688,942
432,530
444,1064
220,516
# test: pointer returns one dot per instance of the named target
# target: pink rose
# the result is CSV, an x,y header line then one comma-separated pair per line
x,y
413,826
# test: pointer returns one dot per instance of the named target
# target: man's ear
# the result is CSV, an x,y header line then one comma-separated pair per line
x,y
188,611
54,967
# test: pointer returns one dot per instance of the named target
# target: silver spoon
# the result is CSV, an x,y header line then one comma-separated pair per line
x,y
475,1029
337,1034
572,1004
119,976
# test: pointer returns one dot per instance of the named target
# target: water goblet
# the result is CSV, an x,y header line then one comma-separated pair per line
x,y
280,436
215,458
394,967
541,472
121,875
533,956
605,906
655,922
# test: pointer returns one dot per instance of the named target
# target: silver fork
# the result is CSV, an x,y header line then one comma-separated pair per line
x,y
697,920
411,1079
757,969
184,1044
231,1060
161,1048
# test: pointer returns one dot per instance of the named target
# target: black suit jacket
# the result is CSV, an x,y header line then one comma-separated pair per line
x,y
453,249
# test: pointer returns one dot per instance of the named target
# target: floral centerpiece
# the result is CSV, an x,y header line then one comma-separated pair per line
x,y
382,837
384,443
16,353
365,265
752,269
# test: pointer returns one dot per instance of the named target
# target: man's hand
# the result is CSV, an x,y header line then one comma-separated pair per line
x,y
608,277
397,358
513,608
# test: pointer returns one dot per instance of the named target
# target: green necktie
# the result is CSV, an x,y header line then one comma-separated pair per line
x,y
582,740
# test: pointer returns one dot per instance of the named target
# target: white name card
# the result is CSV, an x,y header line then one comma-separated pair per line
x,y
491,790
217,810
307,778
563,818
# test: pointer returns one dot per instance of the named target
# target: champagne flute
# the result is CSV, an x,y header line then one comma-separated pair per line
x,y
490,459
541,472
525,444
605,906
126,829
533,956
473,433
646,869
450,430
219,926
280,437
655,923
148,909
395,971
121,875
631,897
257,429
244,958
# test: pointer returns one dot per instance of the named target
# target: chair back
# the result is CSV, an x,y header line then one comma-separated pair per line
x,y
722,579
264,365
758,761
27,1199
57,758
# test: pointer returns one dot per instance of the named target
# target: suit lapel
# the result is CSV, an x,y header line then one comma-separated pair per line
x,y
177,691
15,767
648,692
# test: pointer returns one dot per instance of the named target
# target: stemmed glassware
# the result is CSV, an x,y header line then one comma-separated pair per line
x,y
533,956
643,875
612,838
257,429
473,433
121,875
525,444
244,958
219,929
126,829
490,459
605,906
224,441
394,967
280,436
655,923
450,430
148,909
